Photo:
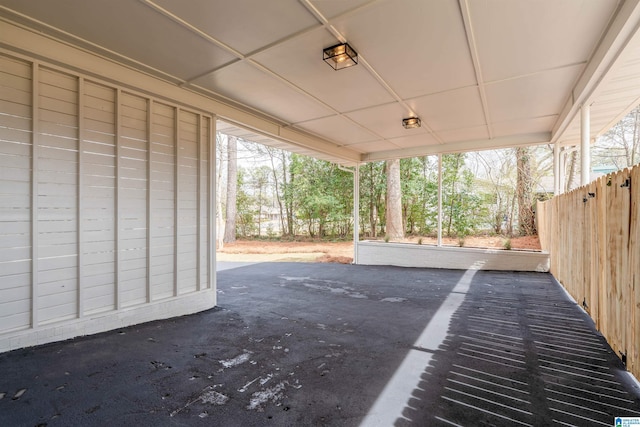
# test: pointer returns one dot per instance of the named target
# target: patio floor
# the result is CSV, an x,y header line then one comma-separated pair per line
x,y
295,344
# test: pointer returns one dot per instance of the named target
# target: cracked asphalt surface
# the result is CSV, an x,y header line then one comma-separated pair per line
x,y
294,344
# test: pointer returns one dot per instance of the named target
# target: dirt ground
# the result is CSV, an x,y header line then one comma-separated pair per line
x,y
342,252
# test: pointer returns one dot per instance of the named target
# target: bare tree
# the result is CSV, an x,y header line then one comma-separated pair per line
x,y
394,226
570,167
620,146
499,172
232,189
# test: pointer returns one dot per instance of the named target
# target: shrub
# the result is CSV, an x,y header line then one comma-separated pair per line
x,y
507,244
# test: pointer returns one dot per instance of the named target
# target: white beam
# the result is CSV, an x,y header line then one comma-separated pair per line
x,y
462,146
356,207
439,200
561,172
585,144
211,209
356,212
556,169
475,57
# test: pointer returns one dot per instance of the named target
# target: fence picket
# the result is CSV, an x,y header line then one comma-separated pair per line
x,y
592,234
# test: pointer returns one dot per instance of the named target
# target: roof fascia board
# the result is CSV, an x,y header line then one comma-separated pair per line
x,y
622,29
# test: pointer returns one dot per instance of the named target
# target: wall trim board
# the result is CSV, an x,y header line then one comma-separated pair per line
x,y
92,324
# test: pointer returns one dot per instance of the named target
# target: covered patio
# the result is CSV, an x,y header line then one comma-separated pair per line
x,y
109,112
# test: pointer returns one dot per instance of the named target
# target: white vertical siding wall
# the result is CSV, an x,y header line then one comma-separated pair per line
x,y
105,206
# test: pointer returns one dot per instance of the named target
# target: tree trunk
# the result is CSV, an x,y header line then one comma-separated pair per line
x,y
394,201
232,190
525,192
274,172
572,171
372,203
288,199
260,211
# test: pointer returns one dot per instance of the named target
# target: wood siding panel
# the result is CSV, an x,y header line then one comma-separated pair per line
x,y
116,206
99,190
163,167
15,206
188,196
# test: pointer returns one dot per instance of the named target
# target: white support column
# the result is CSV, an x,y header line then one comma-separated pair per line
x,y
585,146
561,174
211,206
356,206
556,169
356,211
439,200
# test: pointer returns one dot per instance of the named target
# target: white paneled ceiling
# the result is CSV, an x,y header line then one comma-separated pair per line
x,y
480,74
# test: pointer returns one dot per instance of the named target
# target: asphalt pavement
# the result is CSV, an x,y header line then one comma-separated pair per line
x,y
297,344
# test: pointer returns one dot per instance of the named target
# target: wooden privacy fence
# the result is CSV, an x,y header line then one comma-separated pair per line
x,y
593,237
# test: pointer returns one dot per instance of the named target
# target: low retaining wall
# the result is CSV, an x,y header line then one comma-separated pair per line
x,y
412,255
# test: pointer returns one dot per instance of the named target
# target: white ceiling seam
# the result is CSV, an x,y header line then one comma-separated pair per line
x,y
246,119
361,60
473,50
249,60
192,28
105,52
239,55
400,101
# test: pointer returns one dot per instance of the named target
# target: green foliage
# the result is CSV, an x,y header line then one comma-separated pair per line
x,y
245,223
323,196
462,209
301,195
373,182
419,195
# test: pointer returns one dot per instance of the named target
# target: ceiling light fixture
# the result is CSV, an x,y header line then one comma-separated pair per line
x,y
340,56
411,122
